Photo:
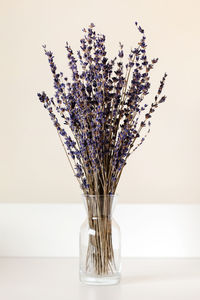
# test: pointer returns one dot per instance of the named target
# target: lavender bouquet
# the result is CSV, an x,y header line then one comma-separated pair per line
x,y
101,119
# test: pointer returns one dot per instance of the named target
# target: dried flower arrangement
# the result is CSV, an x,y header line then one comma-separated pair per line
x,y
105,110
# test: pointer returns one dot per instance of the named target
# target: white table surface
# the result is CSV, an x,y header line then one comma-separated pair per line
x,y
57,279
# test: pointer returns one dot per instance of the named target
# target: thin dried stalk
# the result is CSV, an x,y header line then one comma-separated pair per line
x,y
100,258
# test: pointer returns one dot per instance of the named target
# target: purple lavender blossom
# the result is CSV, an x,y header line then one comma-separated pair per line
x,y
103,106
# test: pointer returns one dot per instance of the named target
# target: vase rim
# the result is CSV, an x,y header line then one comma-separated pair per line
x,y
100,195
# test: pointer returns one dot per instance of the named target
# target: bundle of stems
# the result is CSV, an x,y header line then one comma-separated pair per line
x,y
100,257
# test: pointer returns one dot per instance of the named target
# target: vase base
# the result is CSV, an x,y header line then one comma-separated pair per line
x,y
100,280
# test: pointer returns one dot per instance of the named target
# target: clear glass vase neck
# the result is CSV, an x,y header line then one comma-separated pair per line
x,y
99,206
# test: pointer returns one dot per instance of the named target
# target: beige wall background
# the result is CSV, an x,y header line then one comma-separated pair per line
x,y
33,164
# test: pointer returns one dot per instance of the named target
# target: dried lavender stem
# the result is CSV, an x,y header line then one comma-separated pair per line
x,y
68,157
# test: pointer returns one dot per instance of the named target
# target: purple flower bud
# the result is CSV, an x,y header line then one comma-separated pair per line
x,y
162,99
121,53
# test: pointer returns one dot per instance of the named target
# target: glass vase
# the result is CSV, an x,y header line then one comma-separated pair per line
x,y
99,242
